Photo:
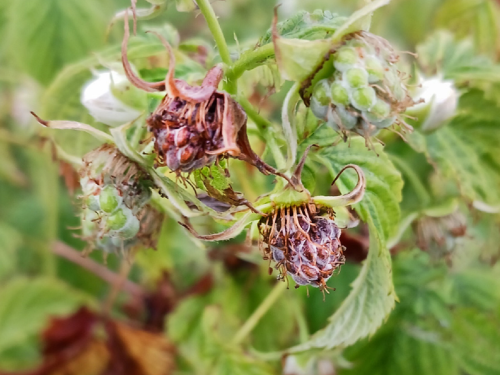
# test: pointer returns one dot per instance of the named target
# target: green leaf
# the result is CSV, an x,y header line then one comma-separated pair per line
x,y
213,175
10,241
476,341
28,304
304,25
371,300
400,351
383,181
44,35
456,156
479,19
442,54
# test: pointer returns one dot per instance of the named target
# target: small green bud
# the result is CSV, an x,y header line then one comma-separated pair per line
x,y
131,228
339,94
385,123
345,58
321,92
380,110
348,120
92,202
320,99
364,98
374,68
356,77
109,199
117,220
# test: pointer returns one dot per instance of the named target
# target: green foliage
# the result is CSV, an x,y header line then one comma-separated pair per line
x,y
45,35
28,304
405,311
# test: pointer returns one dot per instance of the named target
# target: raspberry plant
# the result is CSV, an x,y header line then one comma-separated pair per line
x,y
318,199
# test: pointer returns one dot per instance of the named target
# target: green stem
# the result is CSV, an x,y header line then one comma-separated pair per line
x,y
250,60
213,24
262,123
259,313
265,131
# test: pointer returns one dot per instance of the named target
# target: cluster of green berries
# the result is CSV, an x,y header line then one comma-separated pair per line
x,y
366,92
115,216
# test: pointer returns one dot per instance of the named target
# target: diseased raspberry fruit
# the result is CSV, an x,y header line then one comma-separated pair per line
x,y
304,242
194,125
116,216
366,92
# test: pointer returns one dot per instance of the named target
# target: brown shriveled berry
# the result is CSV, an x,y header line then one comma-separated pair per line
x,y
304,242
195,125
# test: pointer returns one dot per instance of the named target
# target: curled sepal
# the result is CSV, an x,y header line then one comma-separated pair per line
x,y
227,234
73,125
129,72
354,196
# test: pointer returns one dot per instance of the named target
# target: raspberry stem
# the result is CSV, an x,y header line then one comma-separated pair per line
x,y
254,319
214,26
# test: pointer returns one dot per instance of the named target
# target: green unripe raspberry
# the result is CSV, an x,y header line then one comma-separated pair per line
x,y
92,202
345,58
356,77
348,120
118,220
339,94
321,92
364,98
380,109
131,228
109,199
374,68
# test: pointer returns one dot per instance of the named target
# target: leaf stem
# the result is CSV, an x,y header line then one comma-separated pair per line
x,y
250,324
213,24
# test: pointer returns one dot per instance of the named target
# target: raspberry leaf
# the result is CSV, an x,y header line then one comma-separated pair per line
x,y
383,180
27,305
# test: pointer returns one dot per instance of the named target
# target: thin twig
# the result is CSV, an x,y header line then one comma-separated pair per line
x,y
97,269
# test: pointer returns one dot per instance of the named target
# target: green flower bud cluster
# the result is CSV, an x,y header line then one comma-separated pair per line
x,y
366,92
115,196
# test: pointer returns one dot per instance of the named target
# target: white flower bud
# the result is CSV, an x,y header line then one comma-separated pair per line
x,y
441,101
99,97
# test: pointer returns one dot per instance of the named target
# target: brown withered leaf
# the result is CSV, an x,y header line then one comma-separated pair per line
x,y
137,352
86,343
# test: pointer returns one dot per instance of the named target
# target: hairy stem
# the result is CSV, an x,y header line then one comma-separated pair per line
x,y
259,313
213,24
250,60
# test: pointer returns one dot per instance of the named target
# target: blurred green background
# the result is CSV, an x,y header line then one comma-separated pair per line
x,y
448,318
